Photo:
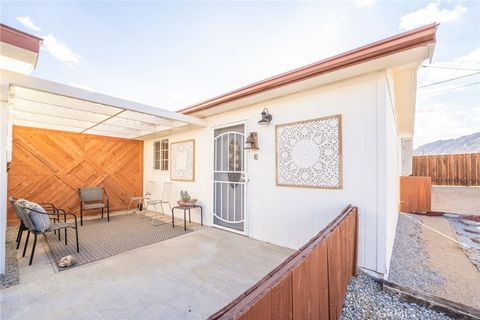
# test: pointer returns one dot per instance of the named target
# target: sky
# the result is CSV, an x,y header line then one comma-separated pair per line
x,y
174,54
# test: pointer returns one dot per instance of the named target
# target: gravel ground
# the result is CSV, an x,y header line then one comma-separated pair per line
x,y
410,265
473,252
365,299
11,276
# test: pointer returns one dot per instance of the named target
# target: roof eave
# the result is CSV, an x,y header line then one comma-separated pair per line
x,y
408,40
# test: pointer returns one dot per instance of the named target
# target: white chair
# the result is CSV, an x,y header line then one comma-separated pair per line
x,y
165,199
140,202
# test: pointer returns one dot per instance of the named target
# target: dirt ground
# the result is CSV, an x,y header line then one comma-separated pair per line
x,y
462,278
465,200
428,261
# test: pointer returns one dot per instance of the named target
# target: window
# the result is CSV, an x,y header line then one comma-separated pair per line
x,y
160,155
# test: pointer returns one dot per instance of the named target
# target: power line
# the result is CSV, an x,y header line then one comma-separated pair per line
x,y
448,68
449,89
459,28
432,84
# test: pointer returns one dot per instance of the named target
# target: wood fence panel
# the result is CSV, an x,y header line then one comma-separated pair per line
x,y
260,310
310,284
335,278
282,297
50,166
451,169
415,194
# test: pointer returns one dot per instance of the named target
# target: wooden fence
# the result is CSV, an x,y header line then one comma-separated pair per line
x,y
415,194
310,284
450,169
50,166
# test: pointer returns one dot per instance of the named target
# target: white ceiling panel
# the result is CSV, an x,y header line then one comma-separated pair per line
x,y
61,112
42,125
63,101
133,115
44,104
54,120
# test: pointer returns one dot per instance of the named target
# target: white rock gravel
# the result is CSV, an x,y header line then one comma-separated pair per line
x,y
410,265
365,299
11,276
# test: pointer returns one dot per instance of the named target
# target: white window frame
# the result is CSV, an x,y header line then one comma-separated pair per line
x,y
162,163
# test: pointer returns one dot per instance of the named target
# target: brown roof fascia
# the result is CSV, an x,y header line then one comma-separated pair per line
x,y
19,38
401,42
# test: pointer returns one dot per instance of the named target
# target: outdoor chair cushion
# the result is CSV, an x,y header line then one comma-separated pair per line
x,y
40,221
96,205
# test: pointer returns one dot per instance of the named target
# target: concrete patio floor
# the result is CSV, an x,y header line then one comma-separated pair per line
x,y
187,277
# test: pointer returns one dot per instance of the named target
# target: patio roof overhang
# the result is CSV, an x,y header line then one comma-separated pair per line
x,y
39,103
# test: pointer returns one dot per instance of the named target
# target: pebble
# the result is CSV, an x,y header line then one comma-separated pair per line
x,y
410,265
11,276
365,299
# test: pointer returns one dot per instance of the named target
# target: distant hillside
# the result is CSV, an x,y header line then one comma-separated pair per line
x,y
465,144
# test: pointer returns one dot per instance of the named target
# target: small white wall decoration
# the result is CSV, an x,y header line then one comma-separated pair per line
x,y
309,153
182,166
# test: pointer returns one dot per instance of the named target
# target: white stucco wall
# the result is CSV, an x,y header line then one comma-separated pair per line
x,y
290,216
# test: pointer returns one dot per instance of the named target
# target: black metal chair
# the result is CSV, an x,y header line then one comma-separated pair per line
x,y
24,214
93,198
21,228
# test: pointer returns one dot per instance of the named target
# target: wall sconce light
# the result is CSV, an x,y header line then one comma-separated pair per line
x,y
252,141
266,117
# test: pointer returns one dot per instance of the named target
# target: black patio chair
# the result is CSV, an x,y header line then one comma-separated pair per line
x,y
93,198
56,226
50,208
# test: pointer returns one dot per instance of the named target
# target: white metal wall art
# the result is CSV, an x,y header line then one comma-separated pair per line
x,y
309,153
182,167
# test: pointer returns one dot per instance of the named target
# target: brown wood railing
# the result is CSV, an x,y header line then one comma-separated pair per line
x,y
449,169
310,284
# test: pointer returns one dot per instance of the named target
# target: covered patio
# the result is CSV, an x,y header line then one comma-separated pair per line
x,y
61,138
170,279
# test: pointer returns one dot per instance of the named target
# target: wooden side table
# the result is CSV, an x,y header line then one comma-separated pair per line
x,y
185,209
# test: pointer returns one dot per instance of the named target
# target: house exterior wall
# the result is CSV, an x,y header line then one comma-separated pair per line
x,y
290,216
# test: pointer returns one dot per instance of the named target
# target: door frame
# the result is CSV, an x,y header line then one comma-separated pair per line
x,y
246,163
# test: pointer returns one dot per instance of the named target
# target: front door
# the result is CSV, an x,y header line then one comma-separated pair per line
x,y
229,178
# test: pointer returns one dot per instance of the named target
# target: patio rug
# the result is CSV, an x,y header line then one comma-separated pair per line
x,y
100,239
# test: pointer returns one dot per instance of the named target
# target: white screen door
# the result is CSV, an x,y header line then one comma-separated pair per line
x,y
229,178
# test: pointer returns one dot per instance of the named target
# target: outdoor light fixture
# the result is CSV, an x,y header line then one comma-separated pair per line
x,y
252,141
266,117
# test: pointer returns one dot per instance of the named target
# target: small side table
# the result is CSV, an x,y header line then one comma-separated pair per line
x,y
185,209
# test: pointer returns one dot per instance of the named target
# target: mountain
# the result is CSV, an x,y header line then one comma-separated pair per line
x,y
465,144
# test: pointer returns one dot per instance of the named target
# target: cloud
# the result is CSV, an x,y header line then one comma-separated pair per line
x,y
59,50
80,86
431,13
52,45
439,121
364,3
447,71
28,23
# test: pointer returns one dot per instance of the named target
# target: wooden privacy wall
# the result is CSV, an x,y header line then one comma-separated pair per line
x,y
310,284
415,194
449,169
50,166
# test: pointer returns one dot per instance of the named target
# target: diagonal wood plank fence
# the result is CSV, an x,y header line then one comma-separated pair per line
x,y
449,169
310,284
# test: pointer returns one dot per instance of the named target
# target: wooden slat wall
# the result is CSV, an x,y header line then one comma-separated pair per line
x,y
415,194
450,169
50,166
310,284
